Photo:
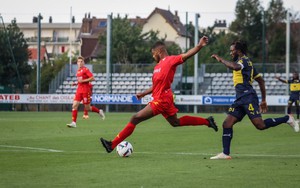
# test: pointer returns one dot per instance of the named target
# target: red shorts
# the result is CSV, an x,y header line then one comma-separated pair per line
x,y
164,106
84,97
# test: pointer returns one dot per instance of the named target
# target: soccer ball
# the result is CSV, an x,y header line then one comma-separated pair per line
x,y
124,149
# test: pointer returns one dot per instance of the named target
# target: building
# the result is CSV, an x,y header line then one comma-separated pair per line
x,y
83,37
33,55
91,29
220,26
57,38
169,26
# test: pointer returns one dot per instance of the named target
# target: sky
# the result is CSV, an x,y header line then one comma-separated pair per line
x,y
61,10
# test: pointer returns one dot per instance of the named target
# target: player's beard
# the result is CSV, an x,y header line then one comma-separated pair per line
x,y
235,58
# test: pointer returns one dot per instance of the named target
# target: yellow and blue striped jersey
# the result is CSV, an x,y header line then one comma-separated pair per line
x,y
243,79
294,86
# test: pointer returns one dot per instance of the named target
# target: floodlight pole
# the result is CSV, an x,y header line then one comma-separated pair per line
x,y
186,49
197,16
287,56
108,55
70,40
38,68
263,43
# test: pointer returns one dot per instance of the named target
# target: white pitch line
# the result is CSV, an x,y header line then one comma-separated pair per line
x,y
151,153
196,154
233,155
31,148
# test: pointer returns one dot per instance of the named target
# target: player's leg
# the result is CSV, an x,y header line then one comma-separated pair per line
x,y
140,116
297,108
167,108
86,110
227,137
289,109
74,114
85,113
261,124
191,121
235,114
87,105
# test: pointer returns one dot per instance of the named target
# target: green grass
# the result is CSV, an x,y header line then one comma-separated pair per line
x,y
38,150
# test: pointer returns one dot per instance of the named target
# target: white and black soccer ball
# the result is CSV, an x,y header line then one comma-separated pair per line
x,y
124,149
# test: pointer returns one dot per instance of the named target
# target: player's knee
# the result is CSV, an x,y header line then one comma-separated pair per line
x,y
260,127
174,124
136,119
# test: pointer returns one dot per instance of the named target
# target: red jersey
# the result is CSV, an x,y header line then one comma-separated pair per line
x,y
163,75
83,73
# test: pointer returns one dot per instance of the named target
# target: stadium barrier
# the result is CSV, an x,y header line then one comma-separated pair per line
x,y
128,99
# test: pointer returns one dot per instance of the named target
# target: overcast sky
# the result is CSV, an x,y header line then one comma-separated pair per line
x,y
60,10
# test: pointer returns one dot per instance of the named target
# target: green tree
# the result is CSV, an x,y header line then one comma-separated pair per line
x,y
13,46
275,32
48,72
130,45
248,26
218,44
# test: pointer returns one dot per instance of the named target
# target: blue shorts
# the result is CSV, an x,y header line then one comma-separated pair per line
x,y
245,105
294,98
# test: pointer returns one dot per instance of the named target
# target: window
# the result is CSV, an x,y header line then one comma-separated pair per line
x,y
102,24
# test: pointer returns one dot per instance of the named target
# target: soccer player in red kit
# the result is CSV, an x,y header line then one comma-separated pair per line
x,y
83,93
162,94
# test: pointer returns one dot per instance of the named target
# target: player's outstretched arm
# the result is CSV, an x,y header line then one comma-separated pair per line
x,y
230,65
263,105
281,80
203,42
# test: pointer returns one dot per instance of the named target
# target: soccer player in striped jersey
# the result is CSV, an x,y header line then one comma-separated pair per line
x,y
294,92
246,102
163,102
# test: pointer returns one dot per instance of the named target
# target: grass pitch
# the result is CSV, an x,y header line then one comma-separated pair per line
x,y
38,150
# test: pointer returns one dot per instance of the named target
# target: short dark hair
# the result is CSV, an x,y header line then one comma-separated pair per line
x,y
240,45
158,44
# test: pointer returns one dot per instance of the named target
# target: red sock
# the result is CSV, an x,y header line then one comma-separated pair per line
x,y
85,112
95,109
127,131
192,120
74,115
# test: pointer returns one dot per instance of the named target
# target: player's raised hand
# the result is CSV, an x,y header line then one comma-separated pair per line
x,y
203,41
215,56
263,107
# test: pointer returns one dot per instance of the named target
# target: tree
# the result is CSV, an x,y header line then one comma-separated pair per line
x,y
48,72
275,32
248,26
13,46
130,45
